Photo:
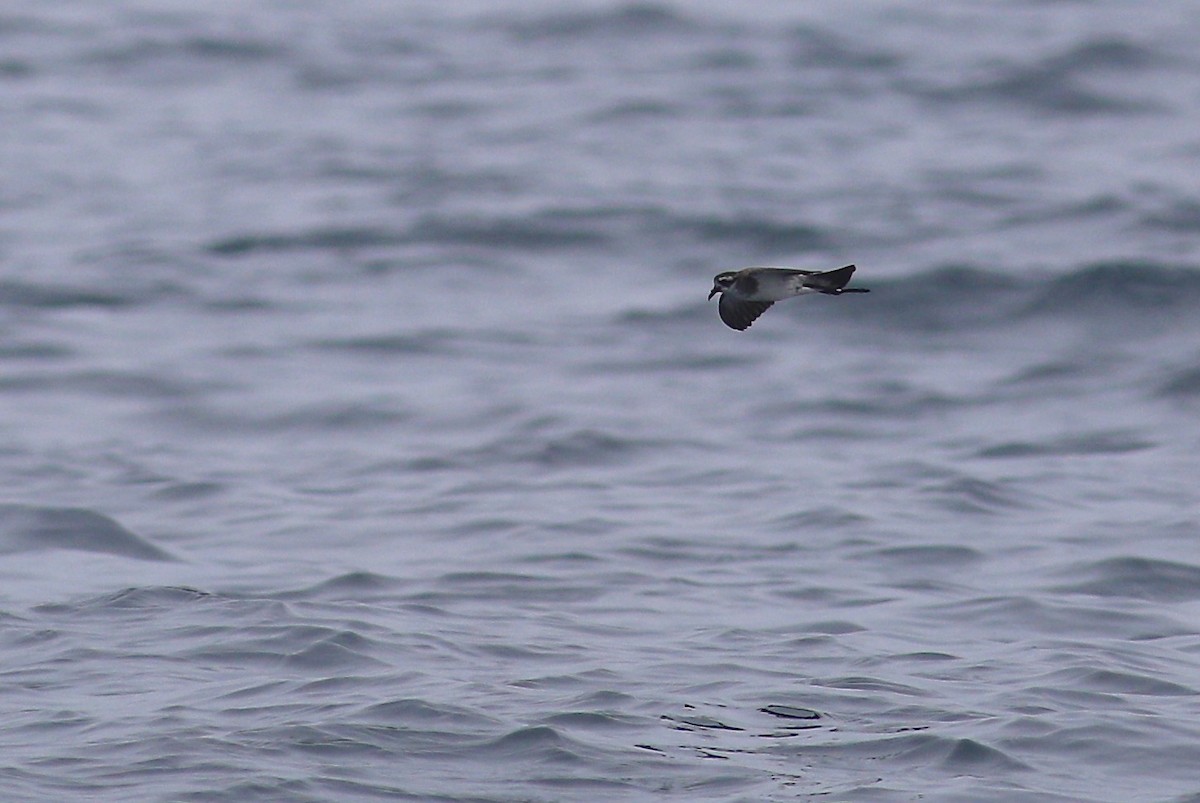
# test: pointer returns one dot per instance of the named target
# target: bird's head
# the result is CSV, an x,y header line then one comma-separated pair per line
x,y
722,282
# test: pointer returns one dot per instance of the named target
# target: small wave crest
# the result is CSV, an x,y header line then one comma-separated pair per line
x,y
1139,578
28,528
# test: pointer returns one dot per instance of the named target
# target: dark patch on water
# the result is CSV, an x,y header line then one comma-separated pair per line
x,y
15,293
1181,216
15,69
634,111
347,417
339,239
188,491
1090,443
425,343
640,20
34,352
103,383
1058,371
699,722
790,712
759,235
962,299
928,557
1119,289
1058,84
951,298
818,47
1184,384
138,55
555,229
657,366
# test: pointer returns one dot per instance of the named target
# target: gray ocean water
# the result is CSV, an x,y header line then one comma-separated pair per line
x,y
365,433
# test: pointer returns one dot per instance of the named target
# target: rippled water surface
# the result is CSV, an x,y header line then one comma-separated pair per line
x,y
365,433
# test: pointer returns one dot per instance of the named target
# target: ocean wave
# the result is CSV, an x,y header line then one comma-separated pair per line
x,y
578,448
335,239
1058,83
632,19
172,51
971,495
1138,578
1027,614
30,528
334,416
1182,384
816,46
963,298
1121,286
584,226
140,598
36,295
1088,443
436,343
116,384
358,585
1182,216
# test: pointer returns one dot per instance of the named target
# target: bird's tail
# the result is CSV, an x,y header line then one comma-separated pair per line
x,y
833,282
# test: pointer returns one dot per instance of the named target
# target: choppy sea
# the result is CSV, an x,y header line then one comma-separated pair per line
x,y
365,433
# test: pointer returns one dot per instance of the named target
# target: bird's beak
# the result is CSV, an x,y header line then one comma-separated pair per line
x,y
714,291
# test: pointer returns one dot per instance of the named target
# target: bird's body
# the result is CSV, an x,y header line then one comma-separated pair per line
x,y
748,293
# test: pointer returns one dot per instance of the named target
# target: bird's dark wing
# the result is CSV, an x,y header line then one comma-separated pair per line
x,y
739,314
